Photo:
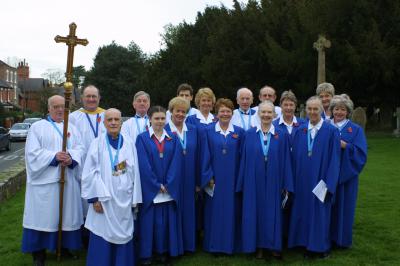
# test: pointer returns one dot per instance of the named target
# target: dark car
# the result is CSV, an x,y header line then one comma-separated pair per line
x,y
4,139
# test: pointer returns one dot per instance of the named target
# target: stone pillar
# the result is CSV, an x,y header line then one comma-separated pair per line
x,y
320,45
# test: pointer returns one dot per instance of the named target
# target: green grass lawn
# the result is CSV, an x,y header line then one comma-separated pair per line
x,y
376,230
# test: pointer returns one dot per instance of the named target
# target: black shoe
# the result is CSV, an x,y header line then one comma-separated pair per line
x,y
39,257
277,255
68,254
38,263
308,255
324,255
145,262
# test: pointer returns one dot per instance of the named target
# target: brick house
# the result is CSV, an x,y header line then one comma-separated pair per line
x,y
8,86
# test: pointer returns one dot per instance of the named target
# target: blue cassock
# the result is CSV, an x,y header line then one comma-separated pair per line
x,y
221,212
190,173
262,184
310,218
201,127
159,224
353,159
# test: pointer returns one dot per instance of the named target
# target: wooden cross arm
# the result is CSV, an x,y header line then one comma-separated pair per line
x,y
71,40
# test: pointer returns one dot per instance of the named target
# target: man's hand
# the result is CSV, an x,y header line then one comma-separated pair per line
x,y
64,158
97,207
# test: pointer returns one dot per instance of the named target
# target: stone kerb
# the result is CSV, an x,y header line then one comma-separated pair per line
x,y
11,181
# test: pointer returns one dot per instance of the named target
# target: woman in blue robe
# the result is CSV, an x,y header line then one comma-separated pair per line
x,y
160,171
288,122
219,171
188,151
265,178
353,159
205,101
316,158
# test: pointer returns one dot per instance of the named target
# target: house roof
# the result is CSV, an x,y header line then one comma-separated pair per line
x,y
4,84
33,84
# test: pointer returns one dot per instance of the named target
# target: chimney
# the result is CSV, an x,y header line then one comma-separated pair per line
x,y
23,70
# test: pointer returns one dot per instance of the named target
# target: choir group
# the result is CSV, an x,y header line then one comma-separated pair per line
x,y
251,180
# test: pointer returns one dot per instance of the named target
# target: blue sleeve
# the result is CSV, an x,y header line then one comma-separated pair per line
x,y
354,156
93,200
73,164
54,162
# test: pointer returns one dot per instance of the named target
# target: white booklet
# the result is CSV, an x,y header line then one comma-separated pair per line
x,y
210,190
162,197
320,190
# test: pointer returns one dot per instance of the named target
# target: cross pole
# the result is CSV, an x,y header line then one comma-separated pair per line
x,y
321,45
71,41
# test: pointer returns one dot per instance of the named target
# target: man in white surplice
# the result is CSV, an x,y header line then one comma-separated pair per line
x,y
44,159
244,116
109,182
89,119
140,121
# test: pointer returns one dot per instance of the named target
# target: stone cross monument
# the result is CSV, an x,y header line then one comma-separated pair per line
x,y
320,45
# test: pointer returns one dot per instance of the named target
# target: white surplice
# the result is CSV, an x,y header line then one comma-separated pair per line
x,y
118,194
42,188
79,119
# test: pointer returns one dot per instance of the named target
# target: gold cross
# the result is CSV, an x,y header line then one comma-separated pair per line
x,y
71,41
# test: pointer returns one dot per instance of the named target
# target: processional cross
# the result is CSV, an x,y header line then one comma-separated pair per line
x,y
71,41
320,45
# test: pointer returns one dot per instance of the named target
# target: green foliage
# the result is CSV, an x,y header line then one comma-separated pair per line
x,y
266,42
117,72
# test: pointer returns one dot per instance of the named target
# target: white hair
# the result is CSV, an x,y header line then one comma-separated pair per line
x,y
266,103
239,91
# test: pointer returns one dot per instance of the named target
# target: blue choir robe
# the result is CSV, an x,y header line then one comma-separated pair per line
x,y
221,212
41,212
159,223
297,122
279,123
262,184
353,159
310,218
201,124
190,173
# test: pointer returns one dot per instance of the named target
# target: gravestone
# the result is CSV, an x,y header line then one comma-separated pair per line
x,y
396,132
320,45
303,113
359,117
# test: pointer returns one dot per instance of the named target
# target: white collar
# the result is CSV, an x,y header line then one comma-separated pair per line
x,y
203,120
174,129
219,129
164,134
317,126
240,110
281,121
271,129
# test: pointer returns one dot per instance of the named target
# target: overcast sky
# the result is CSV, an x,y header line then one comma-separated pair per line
x,y
28,27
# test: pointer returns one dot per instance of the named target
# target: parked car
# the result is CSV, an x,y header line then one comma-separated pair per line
x,y
19,131
31,120
4,139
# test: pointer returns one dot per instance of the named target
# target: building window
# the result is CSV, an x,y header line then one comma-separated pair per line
x,y
7,75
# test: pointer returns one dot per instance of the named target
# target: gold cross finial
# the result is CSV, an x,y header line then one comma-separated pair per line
x,y
71,41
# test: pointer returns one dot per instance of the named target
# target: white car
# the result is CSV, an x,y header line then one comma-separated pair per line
x,y
19,131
